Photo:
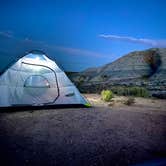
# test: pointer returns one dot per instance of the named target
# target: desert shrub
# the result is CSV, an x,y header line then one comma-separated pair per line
x,y
106,95
131,91
130,101
144,92
140,92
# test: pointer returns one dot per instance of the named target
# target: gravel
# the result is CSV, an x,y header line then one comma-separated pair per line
x,y
82,136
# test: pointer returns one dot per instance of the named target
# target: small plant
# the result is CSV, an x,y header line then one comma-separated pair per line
x,y
106,95
130,101
131,91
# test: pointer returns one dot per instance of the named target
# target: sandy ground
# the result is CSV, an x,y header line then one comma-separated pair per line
x,y
140,104
101,135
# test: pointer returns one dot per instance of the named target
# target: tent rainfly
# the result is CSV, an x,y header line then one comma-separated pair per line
x,y
36,80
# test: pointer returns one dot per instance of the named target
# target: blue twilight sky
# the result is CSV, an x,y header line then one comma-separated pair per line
x,y
81,34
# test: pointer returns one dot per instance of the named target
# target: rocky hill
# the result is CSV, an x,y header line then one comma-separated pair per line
x,y
140,68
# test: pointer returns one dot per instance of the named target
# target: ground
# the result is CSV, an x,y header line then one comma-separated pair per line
x,y
106,134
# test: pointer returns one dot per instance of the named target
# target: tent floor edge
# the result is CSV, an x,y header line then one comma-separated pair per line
x,y
32,108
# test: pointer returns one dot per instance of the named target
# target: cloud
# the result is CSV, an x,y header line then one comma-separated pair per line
x,y
7,34
27,43
27,39
150,42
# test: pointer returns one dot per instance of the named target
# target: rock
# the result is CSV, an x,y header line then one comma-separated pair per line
x,y
140,68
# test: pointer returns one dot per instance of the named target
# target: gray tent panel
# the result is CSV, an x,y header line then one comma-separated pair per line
x,y
35,80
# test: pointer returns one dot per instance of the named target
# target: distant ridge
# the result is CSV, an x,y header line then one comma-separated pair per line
x,y
139,68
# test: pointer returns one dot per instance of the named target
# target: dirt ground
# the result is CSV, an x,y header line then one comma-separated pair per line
x,y
106,134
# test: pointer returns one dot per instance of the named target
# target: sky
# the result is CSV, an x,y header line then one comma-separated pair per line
x,y
81,34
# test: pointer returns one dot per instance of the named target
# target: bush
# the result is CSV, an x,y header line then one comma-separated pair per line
x,y
131,91
139,92
130,101
106,95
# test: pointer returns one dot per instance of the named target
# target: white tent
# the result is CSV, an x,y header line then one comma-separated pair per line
x,y
35,80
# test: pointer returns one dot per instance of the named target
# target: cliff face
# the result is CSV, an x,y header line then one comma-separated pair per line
x,y
141,68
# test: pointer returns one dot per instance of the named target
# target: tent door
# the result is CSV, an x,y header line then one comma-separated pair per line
x,y
36,85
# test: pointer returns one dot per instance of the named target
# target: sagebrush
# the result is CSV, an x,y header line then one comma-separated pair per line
x,y
106,95
131,91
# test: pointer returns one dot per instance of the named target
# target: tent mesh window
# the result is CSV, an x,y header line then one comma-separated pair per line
x,y
36,81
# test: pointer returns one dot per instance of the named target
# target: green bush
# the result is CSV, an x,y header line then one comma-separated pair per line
x,y
131,91
139,92
106,95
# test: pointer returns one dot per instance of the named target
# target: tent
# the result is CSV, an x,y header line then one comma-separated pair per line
x,y
36,80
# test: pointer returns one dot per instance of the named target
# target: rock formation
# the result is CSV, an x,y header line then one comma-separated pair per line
x,y
140,68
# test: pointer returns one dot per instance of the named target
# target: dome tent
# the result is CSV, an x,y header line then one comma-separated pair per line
x,y
36,80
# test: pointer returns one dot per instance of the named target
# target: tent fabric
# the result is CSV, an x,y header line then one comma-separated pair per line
x,y
35,80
